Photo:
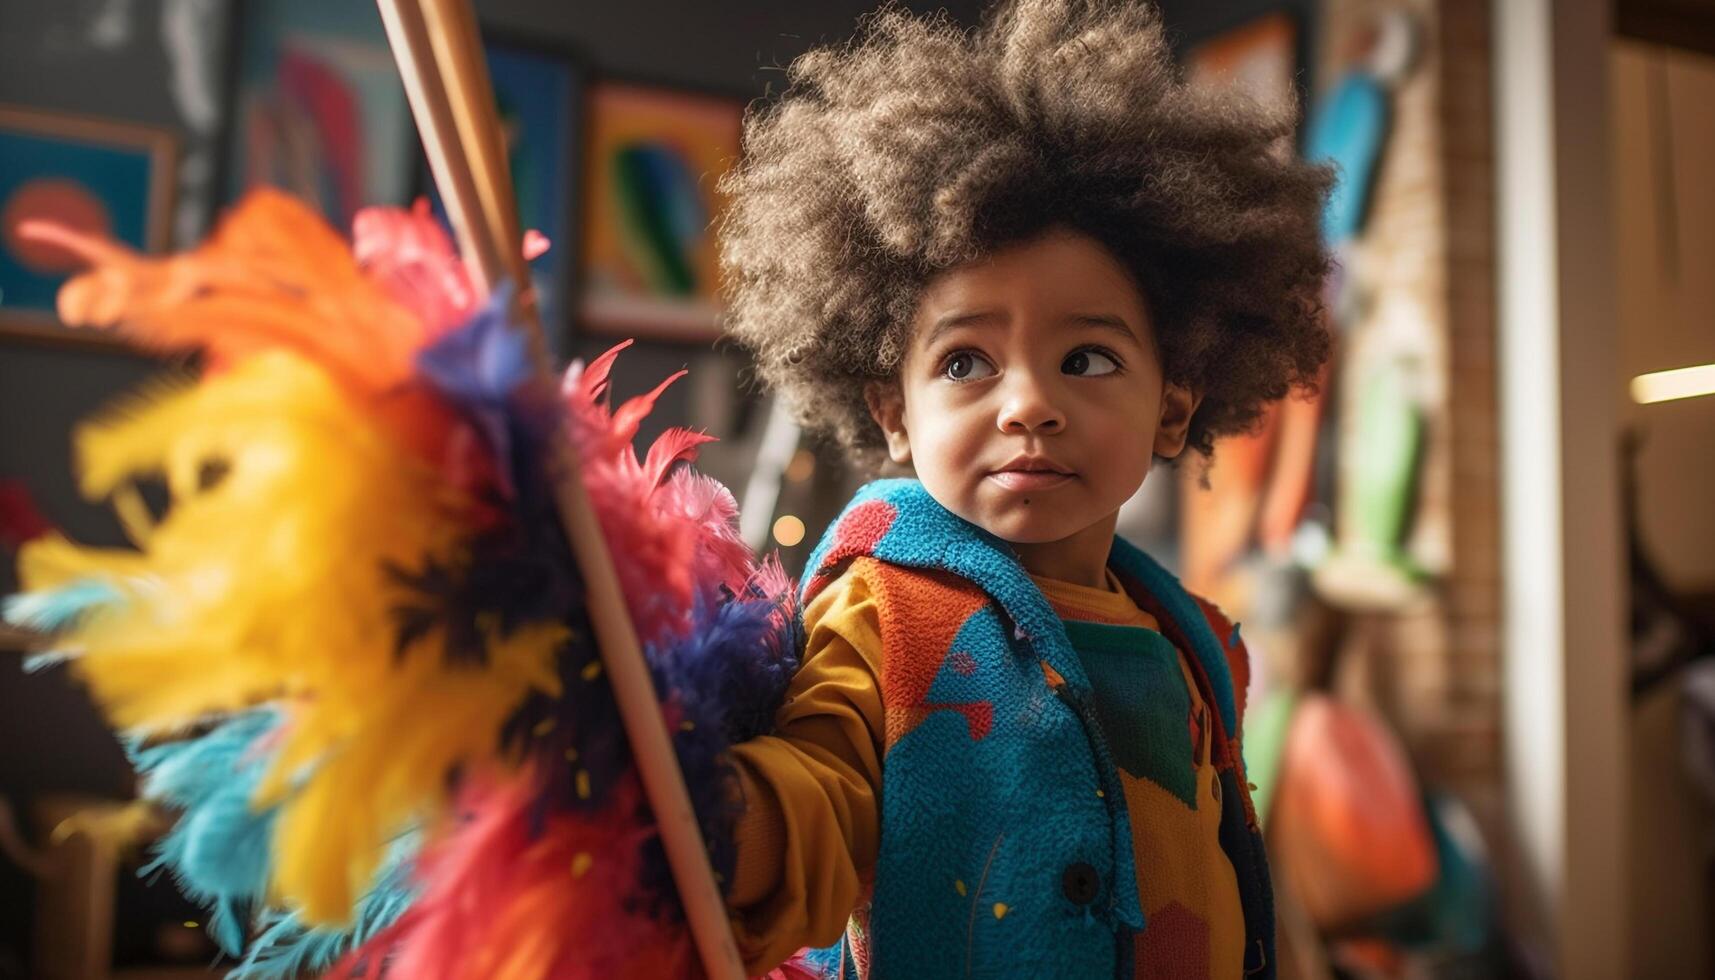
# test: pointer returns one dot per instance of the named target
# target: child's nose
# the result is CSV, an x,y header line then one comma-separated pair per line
x,y
1028,407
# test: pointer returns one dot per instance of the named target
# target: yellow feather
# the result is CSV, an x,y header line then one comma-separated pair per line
x,y
272,583
391,751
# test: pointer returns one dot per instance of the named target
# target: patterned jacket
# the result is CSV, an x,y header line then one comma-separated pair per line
x,y
999,795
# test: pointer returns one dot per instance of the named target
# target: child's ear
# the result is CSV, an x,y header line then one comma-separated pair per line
x,y
887,407
1178,404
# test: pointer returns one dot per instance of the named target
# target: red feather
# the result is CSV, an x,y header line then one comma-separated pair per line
x,y
504,902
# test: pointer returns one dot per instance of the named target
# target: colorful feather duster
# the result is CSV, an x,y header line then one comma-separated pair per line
x,y
352,654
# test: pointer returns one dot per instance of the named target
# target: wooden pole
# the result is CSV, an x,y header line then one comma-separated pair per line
x,y
440,58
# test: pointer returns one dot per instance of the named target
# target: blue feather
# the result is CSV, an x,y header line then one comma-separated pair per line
x,y
726,675
50,610
226,842
190,770
54,609
481,368
286,948
37,662
218,850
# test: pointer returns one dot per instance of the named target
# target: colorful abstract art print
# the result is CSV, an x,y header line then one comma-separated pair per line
x,y
654,158
537,90
319,110
104,178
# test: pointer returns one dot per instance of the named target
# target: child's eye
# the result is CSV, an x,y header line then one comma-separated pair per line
x,y
966,366
1089,363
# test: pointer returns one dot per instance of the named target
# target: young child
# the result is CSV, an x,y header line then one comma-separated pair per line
x,y
1025,263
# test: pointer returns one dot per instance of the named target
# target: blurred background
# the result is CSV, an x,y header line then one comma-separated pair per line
x,y
1477,571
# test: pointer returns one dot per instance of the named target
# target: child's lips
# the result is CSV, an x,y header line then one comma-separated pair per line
x,y
1029,479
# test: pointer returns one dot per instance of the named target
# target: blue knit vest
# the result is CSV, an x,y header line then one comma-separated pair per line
x,y
998,789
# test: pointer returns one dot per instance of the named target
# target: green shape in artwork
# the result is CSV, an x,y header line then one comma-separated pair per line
x,y
662,216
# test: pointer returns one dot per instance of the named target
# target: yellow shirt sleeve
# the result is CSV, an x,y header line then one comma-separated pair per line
x,y
808,835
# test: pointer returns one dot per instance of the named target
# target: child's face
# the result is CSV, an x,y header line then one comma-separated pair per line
x,y
1031,399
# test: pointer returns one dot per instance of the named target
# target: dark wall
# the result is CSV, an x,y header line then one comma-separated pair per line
x,y
736,47
1190,21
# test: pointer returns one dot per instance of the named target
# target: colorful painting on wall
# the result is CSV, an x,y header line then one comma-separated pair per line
x,y
537,94
105,178
319,109
650,257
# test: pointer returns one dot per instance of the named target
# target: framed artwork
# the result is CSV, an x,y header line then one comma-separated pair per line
x,y
537,89
107,178
653,158
318,108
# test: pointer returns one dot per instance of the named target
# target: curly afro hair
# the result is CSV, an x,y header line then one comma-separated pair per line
x,y
919,147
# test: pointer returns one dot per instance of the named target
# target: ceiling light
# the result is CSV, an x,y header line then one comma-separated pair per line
x,y
1661,386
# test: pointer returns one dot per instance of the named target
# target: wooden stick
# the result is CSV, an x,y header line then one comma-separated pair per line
x,y
440,60
409,38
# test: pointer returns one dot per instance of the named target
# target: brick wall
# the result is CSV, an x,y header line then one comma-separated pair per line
x,y
1467,749
1433,668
